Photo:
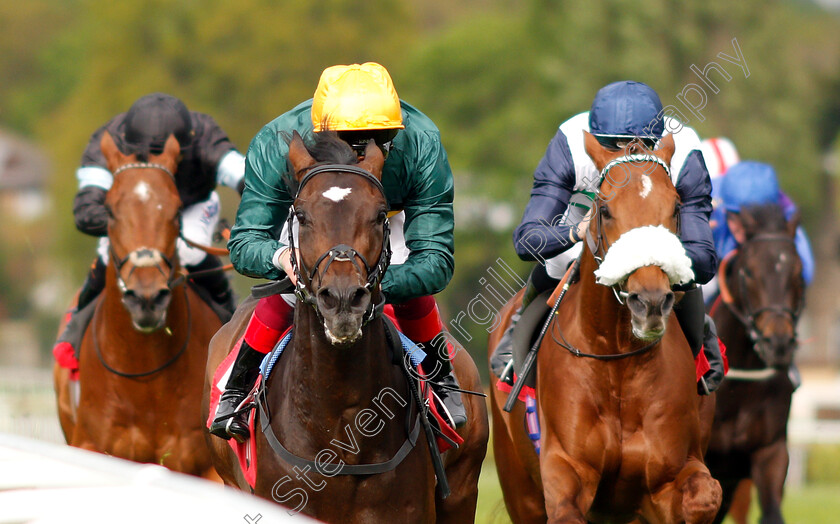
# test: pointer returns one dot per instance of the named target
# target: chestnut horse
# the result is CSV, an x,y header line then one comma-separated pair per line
x,y
142,359
338,369
623,429
762,294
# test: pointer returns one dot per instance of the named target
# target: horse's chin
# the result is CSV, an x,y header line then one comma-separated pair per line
x,y
649,336
648,333
342,341
146,327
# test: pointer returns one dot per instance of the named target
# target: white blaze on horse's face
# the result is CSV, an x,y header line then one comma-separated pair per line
x,y
647,185
337,194
143,191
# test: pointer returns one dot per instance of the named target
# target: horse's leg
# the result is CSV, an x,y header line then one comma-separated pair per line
x,y
463,472
523,497
64,400
729,487
769,470
740,508
568,493
693,497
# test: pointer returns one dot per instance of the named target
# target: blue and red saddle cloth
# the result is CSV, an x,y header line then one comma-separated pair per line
x,y
246,452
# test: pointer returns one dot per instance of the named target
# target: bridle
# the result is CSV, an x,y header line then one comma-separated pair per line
x,y
747,315
340,252
599,250
599,245
144,256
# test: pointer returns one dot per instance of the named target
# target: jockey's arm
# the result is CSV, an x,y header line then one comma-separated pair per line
x,y
429,226
262,210
218,153
806,255
541,235
803,245
89,212
694,188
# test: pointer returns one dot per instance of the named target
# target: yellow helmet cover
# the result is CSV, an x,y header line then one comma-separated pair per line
x,y
356,97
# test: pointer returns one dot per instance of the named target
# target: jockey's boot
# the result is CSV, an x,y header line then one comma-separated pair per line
x,y
501,363
438,367
70,339
228,423
701,334
711,348
215,282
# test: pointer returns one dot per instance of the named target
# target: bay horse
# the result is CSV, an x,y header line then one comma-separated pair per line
x,y
762,296
338,368
142,357
623,429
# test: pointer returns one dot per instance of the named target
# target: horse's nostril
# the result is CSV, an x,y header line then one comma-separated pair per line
x,y
358,298
668,303
327,300
634,302
161,298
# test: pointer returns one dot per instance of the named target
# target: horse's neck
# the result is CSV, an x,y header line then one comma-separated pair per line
x,y
349,377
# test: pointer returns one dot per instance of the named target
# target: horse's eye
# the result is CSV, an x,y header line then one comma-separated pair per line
x,y
301,217
677,209
380,218
605,212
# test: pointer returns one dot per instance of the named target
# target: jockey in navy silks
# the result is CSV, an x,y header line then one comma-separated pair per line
x,y
566,182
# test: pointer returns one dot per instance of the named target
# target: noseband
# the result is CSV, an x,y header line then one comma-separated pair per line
x,y
340,252
747,315
143,256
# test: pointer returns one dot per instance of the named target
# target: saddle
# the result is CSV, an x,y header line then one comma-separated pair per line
x,y
246,453
526,331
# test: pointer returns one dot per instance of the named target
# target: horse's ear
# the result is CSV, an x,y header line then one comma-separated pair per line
x,y
598,153
666,149
113,157
299,156
374,160
169,157
793,223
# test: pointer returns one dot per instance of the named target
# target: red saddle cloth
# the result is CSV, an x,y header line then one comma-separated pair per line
x,y
246,452
65,355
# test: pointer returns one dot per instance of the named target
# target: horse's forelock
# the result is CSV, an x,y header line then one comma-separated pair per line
x,y
324,147
764,218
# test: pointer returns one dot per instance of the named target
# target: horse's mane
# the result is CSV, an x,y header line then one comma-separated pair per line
x,y
769,218
325,147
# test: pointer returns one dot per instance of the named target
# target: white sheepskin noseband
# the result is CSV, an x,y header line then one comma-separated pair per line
x,y
645,246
